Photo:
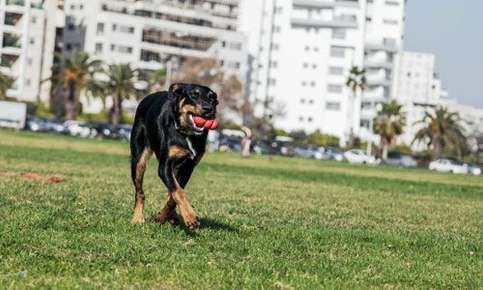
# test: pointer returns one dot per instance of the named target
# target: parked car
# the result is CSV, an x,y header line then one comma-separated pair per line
x,y
449,165
398,159
35,124
474,169
332,153
309,151
357,156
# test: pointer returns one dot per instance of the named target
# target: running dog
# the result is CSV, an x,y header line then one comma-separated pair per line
x,y
174,126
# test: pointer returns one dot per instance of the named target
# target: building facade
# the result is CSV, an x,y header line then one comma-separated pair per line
x,y
148,34
304,50
27,32
418,89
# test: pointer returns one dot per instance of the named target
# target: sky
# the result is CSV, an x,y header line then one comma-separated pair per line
x,y
453,31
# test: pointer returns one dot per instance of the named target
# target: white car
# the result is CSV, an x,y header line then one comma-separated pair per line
x,y
448,165
474,169
357,156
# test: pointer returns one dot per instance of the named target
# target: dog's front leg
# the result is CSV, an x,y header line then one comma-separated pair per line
x,y
176,194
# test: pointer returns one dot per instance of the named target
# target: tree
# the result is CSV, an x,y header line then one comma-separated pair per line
x,y
441,130
157,79
209,73
356,81
73,76
119,86
389,124
6,83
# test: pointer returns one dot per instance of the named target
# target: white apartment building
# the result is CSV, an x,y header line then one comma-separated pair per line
x,y
147,34
303,53
384,35
418,89
27,36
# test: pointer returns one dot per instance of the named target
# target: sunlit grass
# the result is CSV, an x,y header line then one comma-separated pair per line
x,y
287,223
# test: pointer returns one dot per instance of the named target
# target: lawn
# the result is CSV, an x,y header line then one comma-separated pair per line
x,y
281,224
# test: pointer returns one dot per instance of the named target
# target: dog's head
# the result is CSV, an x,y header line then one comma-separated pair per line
x,y
193,101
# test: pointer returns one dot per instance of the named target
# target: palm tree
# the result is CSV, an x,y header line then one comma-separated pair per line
x,y
6,83
119,86
73,76
356,82
389,124
157,79
441,129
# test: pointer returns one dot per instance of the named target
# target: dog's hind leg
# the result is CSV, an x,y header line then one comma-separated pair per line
x,y
140,155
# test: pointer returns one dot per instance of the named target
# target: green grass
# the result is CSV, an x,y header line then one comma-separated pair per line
x,y
284,224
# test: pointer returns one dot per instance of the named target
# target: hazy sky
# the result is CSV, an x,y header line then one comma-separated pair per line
x,y
453,31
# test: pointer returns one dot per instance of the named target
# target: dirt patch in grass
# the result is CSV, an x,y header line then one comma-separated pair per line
x,y
33,176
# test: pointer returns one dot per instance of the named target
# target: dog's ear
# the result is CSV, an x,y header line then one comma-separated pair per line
x,y
177,90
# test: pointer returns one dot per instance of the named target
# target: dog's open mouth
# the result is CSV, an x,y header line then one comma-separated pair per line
x,y
200,124
193,124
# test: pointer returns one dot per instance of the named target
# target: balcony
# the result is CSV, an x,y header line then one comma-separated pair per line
x,y
9,63
16,3
336,22
11,41
388,45
178,40
13,21
324,3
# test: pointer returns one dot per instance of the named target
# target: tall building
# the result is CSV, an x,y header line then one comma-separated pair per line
x,y
147,34
418,89
27,33
304,50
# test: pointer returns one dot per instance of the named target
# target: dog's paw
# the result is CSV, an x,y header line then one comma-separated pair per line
x,y
192,222
137,219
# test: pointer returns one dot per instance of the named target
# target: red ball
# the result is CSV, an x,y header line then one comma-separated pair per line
x,y
208,124
199,121
214,126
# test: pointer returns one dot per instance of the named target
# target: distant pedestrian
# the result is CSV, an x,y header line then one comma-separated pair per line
x,y
246,142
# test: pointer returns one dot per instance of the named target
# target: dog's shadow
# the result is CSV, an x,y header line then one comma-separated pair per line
x,y
207,223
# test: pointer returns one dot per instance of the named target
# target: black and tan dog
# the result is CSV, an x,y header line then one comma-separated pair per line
x,y
164,125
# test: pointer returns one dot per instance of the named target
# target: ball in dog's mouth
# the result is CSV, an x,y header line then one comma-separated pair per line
x,y
199,123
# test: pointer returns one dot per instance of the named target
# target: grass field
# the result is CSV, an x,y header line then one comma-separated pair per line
x,y
284,224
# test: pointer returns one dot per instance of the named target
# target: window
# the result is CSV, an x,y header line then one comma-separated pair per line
x,y
124,49
306,65
275,46
272,82
126,29
273,64
310,119
114,27
34,19
336,70
100,28
235,45
392,3
32,40
332,106
99,47
390,22
338,33
314,66
276,29
312,84
337,51
29,61
332,88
